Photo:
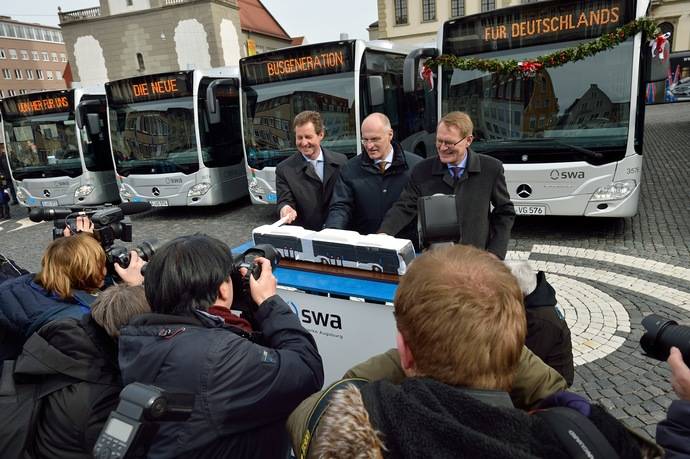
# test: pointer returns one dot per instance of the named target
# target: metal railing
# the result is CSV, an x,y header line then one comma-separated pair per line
x,y
79,15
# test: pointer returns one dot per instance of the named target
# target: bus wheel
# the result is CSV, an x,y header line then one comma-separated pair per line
x,y
376,269
324,261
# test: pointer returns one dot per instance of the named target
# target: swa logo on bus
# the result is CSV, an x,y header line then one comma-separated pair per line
x,y
323,319
565,175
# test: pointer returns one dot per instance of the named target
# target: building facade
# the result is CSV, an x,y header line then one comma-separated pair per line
x,y
32,58
416,22
125,38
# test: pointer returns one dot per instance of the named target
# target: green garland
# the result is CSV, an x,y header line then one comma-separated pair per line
x,y
607,41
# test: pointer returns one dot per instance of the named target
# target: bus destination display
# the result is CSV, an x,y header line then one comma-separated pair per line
x,y
298,62
38,104
534,24
151,87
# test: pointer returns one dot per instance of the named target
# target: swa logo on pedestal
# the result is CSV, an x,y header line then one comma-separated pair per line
x,y
323,319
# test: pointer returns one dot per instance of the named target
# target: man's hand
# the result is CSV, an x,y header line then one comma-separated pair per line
x,y
132,275
680,377
288,213
265,286
83,225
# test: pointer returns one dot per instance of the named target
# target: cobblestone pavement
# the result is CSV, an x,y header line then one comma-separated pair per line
x,y
609,273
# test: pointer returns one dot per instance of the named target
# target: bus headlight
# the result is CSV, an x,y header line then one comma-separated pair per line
x,y
256,188
125,193
83,191
20,195
199,189
616,190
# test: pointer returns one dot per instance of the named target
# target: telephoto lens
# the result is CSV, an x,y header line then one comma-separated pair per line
x,y
663,333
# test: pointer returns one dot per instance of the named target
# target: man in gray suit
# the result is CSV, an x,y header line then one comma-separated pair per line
x,y
305,180
476,180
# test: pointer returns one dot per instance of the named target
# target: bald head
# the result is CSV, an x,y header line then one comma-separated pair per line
x,y
377,136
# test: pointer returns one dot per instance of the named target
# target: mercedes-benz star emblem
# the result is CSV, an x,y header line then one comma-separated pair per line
x,y
46,193
155,191
524,191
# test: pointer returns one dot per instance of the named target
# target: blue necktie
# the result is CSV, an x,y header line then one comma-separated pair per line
x,y
455,171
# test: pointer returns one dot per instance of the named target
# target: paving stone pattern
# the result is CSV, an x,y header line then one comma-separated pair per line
x,y
609,273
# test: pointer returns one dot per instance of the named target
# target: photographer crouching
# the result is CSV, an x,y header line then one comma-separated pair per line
x,y
73,270
243,390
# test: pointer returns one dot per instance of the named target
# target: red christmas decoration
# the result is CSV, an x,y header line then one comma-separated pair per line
x,y
529,68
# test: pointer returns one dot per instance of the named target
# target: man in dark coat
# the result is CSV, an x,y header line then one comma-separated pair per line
x,y
243,390
305,180
548,334
5,172
476,180
369,184
673,433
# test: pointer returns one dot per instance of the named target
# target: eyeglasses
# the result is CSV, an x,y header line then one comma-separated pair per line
x,y
374,140
444,144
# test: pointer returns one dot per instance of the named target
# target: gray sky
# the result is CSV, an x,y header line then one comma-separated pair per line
x,y
318,20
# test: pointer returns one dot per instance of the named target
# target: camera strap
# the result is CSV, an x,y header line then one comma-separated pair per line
x,y
318,410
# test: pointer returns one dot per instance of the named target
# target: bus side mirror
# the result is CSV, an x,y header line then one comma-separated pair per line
x,y
93,124
375,90
212,106
656,69
82,110
412,64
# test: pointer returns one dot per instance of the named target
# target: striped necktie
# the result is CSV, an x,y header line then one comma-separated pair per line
x,y
382,166
455,171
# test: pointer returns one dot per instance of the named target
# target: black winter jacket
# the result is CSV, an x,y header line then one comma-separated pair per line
x,y
72,417
362,195
25,306
673,433
548,334
244,392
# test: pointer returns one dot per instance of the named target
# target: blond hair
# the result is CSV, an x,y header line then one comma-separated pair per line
x,y
72,263
461,314
117,304
460,121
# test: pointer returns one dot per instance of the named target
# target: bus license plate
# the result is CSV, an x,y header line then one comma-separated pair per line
x,y
159,203
530,210
49,203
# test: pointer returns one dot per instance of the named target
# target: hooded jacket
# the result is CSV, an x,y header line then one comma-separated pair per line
x,y
72,417
25,306
548,334
243,391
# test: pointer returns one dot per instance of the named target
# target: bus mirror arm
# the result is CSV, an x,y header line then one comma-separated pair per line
x,y
212,101
412,64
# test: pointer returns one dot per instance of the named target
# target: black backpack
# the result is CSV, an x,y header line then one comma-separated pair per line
x,y
21,405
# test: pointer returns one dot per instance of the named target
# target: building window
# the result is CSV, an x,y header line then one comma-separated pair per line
x,y
129,2
54,57
11,92
25,54
140,62
58,75
2,94
63,58
49,74
23,91
35,55
6,74
9,29
457,8
400,11
13,53
29,74
46,57
488,5
3,55
18,74
428,10
39,74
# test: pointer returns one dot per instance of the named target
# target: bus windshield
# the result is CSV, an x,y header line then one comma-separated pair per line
x,y
270,108
154,137
43,146
579,111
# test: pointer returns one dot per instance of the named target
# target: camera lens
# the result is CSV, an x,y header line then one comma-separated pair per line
x,y
661,334
148,248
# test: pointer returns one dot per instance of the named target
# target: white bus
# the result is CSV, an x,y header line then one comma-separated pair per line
x,y
345,81
176,138
570,137
58,150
